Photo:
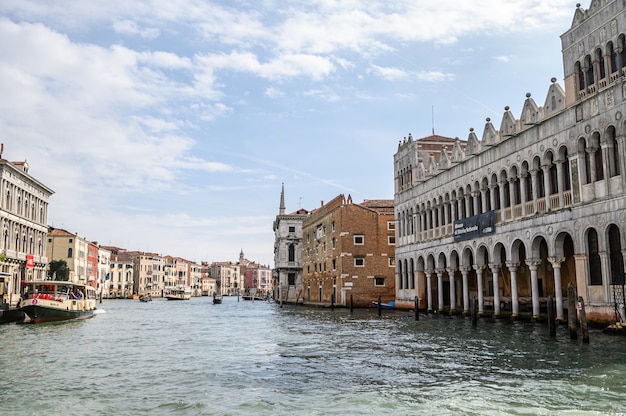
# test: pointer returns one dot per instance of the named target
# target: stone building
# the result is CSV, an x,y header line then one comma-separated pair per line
x,y
120,280
348,250
73,249
287,273
23,221
533,205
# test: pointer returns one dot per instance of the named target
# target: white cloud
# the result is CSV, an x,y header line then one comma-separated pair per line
x,y
272,92
128,27
503,58
390,73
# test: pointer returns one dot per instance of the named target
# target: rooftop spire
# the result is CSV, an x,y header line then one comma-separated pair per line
x,y
281,210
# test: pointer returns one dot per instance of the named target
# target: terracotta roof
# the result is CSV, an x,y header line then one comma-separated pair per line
x,y
59,232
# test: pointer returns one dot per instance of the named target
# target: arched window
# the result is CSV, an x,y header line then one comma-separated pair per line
x,y
400,275
412,274
615,255
595,266
613,153
70,252
292,252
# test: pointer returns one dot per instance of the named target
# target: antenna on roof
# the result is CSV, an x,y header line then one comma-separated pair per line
x,y
432,113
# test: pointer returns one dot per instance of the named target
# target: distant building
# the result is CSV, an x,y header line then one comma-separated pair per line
x,y
23,221
534,205
348,250
148,273
64,245
229,280
287,273
119,283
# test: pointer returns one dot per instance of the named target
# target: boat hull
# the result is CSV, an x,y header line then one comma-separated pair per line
x,y
38,314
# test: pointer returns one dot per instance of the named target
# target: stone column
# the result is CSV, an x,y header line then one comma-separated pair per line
x,y
512,266
466,305
429,291
558,290
446,213
479,284
560,181
453,210
439,289
523,179
534,183
451,276
512,196
608,161
495,271
483,199
468,202
475,196
592,163
534,284
547,185
582,263
502,201
596,73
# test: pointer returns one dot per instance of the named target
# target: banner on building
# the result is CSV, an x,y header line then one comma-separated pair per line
x,y
475,226
30,261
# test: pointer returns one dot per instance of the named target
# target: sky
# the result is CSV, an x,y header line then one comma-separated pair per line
x,y
170,126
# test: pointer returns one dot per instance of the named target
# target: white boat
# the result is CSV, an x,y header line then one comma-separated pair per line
x,y
178,293
50,300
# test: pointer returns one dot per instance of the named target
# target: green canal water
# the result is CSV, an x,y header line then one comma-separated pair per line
x,y
255,358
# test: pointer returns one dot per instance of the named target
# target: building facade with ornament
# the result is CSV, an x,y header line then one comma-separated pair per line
x,y
534,204
24,202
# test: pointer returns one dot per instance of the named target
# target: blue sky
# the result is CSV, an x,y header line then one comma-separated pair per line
x,y
169,126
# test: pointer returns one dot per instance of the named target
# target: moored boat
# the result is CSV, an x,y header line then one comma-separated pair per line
x,y
50,301
390,305
178,293
216,299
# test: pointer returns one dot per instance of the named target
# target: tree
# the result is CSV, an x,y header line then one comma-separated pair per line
x,y
58,270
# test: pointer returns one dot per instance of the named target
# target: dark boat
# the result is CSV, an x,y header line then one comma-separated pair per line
x,y
217,299
50,301
145,298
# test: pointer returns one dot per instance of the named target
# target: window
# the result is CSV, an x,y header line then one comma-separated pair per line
x,y
292,252
332,226
358,240
69,252
392,240
292,229
379,281
392,262
291,279
334,264
391,225
319,232
359,262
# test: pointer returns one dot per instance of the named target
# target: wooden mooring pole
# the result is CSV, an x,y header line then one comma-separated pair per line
x,y
379,308
571,311
474,311
332,302
417,310
551,318
351,305
583,320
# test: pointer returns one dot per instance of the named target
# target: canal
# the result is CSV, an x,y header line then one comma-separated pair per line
x,y
255,358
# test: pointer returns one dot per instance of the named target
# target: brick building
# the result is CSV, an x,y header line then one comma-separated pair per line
x,y
348,249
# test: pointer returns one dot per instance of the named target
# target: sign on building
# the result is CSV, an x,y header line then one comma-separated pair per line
x,y
475,226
